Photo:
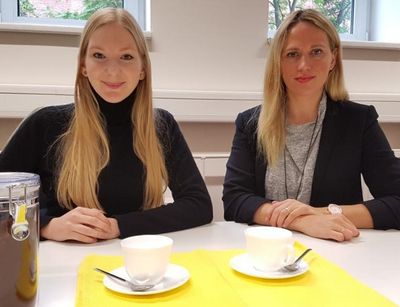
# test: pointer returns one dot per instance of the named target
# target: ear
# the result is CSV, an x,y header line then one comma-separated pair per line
x,y
142,75
83,70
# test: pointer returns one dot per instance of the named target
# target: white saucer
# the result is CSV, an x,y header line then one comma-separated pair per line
x,y
175,277
242,264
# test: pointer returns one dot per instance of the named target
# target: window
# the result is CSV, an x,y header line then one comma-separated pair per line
x,y
67,12
355,20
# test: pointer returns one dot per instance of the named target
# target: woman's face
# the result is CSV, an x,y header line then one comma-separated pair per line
x,y
112,63
306,61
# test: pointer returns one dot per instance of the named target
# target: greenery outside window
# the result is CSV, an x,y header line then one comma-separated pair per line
x,y
67,12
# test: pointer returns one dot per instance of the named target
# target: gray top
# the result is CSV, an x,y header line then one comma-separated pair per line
x,y
298,139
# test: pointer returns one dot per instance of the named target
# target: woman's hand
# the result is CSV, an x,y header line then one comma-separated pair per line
x,y
325,226
261,216
81,224
284,212
294,215
114,233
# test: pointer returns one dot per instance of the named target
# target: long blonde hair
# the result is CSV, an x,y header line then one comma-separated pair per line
x,y
271,131
84,148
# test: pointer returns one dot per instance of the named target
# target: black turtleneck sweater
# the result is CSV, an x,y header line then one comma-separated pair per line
x,y
121,182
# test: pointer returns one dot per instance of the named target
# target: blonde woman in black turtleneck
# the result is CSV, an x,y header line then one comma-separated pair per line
x,y
105,161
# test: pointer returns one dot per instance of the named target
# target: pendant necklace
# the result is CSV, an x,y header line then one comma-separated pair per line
x,y
310,146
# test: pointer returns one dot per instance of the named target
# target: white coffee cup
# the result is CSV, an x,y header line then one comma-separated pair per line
x,y
269,248
146,257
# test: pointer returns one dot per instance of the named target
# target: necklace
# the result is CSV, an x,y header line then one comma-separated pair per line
x,y
310,146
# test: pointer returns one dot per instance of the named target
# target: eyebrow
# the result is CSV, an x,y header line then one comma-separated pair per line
x,y
313,46
121,50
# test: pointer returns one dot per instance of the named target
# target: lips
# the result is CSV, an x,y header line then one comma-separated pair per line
x,y
304,79
113,85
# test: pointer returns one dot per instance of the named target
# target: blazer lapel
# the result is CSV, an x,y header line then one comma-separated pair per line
x,y
329,137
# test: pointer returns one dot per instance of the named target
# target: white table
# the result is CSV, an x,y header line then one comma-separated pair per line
x,y
373,258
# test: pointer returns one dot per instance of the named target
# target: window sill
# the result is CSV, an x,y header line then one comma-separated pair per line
x,y
370,45
48,29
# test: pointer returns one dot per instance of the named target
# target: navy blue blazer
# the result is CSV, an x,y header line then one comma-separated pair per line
x,y
352,143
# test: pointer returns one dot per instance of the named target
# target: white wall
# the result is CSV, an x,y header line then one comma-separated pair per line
x,y
209,45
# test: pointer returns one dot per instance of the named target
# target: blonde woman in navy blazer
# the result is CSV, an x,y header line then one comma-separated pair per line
x,y
304,65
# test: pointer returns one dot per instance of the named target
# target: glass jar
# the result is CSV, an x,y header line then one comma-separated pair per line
x,y
19,239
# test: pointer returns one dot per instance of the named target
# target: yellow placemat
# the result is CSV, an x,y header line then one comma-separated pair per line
x,y
213,283
206,286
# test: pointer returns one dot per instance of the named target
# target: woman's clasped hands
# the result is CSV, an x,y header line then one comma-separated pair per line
x,y
316,222
81,224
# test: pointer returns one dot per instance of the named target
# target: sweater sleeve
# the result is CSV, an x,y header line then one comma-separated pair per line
x,y
381,171
192,204
28,150
240,196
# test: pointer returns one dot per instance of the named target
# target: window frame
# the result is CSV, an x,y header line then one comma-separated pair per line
x,y
361,21
9,19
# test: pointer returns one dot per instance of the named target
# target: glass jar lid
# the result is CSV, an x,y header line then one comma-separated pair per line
x,y
15,186
11,179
